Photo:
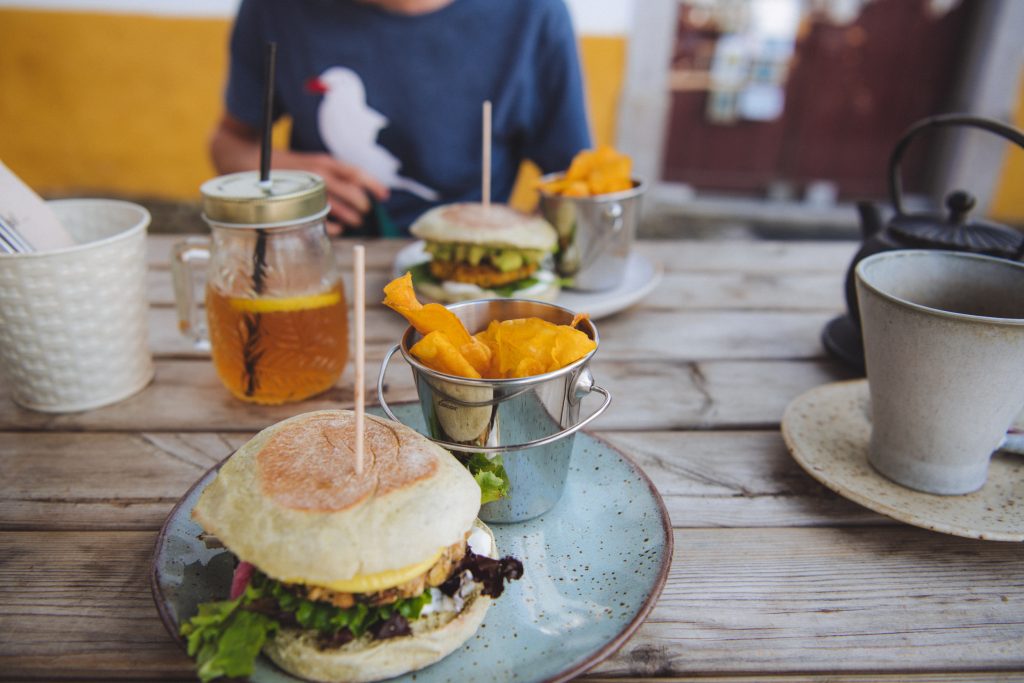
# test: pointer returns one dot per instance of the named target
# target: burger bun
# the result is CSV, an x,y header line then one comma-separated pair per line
x,y
434,637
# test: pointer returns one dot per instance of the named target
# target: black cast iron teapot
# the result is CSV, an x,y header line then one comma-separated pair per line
x,y
955,231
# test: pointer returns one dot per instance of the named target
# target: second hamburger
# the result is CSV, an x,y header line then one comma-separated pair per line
x,y
480,252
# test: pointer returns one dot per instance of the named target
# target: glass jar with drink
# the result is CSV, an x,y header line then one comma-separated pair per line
x,y
276,316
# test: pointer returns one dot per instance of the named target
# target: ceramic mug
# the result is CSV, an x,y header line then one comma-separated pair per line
x,y
944,347
74,326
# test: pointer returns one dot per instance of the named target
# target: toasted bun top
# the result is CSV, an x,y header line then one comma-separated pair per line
x,y
290,502
494,225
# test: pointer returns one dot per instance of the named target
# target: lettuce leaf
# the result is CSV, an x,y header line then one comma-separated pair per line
x,y
326,618
225,640
490,475
226,637
511,288
421,273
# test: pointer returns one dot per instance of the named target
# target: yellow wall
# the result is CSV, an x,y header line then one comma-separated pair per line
x,y
1008,203
109,102
120,103
604,62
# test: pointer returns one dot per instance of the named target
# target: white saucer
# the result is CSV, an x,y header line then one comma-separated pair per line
x,y
827,430
640,279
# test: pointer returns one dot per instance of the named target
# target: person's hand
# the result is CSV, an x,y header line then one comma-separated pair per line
x,y
349,188
235,146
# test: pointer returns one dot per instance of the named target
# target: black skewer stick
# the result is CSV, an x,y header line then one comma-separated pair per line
x,y
266,151
250,353
270,66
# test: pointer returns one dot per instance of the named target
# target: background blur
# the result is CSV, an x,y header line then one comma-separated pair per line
x,y
779,113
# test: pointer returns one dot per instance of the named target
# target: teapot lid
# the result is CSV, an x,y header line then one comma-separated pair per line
x,y
242,200
956,233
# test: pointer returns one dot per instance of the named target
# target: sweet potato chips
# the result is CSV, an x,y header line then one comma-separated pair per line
x,y
593,172
506,349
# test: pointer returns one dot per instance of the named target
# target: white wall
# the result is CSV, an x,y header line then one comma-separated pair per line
x,y
591,17
601,17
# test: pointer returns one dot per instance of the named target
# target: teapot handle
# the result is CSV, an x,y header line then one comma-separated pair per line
x,y
939,121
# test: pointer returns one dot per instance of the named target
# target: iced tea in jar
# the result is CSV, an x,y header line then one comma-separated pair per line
x,y
276,316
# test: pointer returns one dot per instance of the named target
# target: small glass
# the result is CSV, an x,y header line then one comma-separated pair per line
x,y
276,314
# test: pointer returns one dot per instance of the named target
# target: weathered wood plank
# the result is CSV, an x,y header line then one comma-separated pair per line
x,y
755,291
130,481
676,255
383,329
380,254
739,602
77,602
750,256
725,291
187,396
735,479
160,288
109,481
706,395
712,335
638,333
832,600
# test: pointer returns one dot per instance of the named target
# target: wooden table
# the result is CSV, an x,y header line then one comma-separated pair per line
x,y
774,577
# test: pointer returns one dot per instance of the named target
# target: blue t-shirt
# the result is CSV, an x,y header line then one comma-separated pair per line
x,y
401,95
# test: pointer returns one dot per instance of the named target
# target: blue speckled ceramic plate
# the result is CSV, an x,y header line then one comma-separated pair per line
x,y
595,564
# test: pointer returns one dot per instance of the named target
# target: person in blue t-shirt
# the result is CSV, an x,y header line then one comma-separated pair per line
x,y
385,97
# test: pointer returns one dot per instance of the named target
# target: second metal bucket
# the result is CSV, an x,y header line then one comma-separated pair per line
x,y
529,422
595,235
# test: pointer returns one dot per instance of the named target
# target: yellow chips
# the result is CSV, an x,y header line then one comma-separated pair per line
x,y
445,342
593,172
531,346
506,349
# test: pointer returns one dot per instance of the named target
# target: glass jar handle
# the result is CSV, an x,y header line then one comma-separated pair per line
x,y
189,260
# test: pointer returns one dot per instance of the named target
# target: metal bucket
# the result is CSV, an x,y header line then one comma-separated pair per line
x,y
530,422
595,235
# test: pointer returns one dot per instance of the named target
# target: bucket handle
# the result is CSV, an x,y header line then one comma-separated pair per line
x,y
469,448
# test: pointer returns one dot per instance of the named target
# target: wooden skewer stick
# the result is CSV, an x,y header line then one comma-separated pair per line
x,y
359,299
487,154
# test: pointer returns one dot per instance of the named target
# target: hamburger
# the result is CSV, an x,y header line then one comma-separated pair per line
x,y
344,576
479,252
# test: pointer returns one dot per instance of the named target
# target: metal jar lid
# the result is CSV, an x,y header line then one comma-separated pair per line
x,y
239,199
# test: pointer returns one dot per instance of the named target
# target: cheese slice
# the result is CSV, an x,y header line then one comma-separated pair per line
x,y
371,583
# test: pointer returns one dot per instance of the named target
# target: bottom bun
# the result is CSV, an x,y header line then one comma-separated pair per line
x,y
542,291
434,637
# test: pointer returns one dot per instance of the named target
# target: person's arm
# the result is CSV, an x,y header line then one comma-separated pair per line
x,y
235,146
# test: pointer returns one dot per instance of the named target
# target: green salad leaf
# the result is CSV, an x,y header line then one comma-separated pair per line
x,y
513,287
225,640
490,474
226,637
421,273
